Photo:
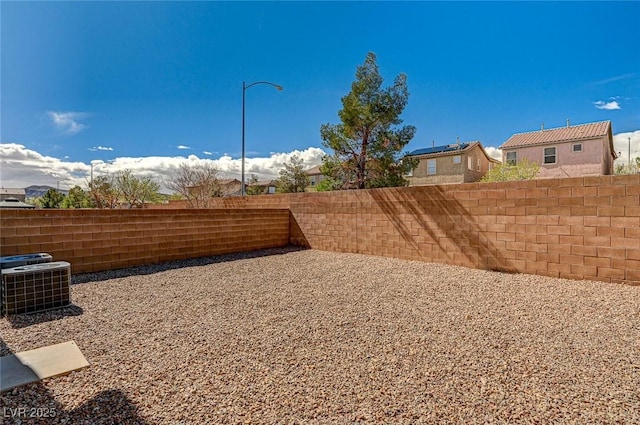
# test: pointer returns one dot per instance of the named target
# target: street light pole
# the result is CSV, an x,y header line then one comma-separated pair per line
x,y
243,190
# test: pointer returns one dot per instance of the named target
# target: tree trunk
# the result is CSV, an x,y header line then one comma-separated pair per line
x,y
362,161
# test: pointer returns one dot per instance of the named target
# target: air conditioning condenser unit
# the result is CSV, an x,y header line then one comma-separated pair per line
x,y
35,287
24,260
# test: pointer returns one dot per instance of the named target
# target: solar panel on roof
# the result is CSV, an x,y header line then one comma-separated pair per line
x,y
439,149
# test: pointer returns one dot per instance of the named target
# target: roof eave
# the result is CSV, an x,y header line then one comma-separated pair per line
x,y
552,142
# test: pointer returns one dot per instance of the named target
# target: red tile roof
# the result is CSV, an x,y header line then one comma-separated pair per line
x,y
562,134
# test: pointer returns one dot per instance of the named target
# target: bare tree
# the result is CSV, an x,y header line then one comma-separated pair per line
x,y
103,193
197,183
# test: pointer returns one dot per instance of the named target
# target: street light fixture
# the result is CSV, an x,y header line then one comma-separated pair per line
x,y
243,190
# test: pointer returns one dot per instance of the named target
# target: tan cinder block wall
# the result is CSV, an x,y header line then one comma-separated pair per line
x,y
277,201
581,228
95,240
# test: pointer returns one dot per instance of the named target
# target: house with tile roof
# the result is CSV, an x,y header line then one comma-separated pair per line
x,y
571,151
455,163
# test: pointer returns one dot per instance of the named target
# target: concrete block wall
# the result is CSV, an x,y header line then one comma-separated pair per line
x,y
277,201
95,240
581,228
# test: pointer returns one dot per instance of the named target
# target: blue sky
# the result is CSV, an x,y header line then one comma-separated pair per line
x,y
147,85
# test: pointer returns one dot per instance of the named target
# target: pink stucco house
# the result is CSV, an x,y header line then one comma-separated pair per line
x,y
571,151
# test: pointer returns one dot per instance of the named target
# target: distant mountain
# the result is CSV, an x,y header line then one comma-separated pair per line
x,y
37,191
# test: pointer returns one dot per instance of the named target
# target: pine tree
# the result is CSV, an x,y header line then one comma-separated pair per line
x,y
367,143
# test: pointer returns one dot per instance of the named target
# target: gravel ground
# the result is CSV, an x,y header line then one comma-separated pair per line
x,y
312,337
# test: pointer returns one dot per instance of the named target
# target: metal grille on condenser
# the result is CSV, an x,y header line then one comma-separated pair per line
x,y
36,287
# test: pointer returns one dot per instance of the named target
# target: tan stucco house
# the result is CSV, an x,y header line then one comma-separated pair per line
x,y
18,194
315,177
571,151
456,163
265,187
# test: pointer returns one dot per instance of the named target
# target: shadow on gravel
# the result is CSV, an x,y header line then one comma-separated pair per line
x,y
4,348
178,264
106,407
23,320
34,404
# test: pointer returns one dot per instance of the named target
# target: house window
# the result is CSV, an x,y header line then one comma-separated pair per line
x,y
457,159
431,166
512,158
577,147
409,173
470,163
549,156
478,165
272,189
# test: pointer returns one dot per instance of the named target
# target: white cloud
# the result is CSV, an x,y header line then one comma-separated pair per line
x,y
269,167
613,79
100,148
68,122
621,144
183,147
207,153
22,167
609,106
494,153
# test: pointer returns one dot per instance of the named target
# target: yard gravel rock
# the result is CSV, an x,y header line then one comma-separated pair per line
x,y
304,336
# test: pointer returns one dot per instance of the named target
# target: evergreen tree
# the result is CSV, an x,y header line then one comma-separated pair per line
x,y
367,143
51,199
293,177
77,198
